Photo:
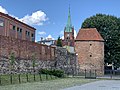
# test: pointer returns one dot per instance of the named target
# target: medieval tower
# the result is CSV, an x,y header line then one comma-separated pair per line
x,y
89,45
69,32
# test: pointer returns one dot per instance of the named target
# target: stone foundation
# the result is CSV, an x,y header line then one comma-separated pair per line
x,y
63,61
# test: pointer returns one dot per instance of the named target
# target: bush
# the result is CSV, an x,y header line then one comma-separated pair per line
x,y
44,71
57,73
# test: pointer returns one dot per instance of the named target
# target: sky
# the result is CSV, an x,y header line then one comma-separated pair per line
x,y
49,17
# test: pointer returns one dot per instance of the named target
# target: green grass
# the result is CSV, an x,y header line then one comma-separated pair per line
x,y
6,79
48,85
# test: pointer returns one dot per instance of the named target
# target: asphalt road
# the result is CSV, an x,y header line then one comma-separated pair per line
x,y
98,85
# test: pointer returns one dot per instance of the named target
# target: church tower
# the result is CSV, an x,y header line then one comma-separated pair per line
x,y
69,32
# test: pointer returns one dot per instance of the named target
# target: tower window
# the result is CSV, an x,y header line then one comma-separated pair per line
x,y
90,55
90,44
68,37
17,29
1,23
32,35
27,33
20,30
13,27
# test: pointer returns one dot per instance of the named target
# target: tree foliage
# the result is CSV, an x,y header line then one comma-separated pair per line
x,y
59,42
12,61
109,27
33,61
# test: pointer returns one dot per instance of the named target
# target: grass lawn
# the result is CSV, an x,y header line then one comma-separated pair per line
x,y
23,78
48,85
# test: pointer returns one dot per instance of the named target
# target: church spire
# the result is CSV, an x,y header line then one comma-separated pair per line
x,y
69,24
69,18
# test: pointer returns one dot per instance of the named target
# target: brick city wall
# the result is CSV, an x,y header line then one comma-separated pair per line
x,y
90,55
25,49
45,57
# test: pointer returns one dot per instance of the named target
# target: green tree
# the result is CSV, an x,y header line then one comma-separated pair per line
x,y
12,61
109,27
33,61
59,42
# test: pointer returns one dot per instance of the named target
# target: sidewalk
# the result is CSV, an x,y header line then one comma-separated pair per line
x,y
98,85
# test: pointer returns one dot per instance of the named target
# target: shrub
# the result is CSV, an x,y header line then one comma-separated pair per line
x,y
57,73
44,71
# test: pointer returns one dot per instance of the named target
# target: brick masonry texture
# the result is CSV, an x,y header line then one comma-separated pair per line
x,y
25,49
45,57
91,55
15,28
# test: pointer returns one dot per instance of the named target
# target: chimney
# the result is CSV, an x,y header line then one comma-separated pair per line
x,y
41,38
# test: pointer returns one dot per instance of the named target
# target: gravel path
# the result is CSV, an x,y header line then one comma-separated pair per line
x,y
98,85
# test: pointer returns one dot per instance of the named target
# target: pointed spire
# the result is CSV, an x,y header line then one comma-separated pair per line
x,y
69,24
69,19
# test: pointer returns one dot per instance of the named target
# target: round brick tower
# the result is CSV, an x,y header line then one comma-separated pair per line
x,y
89,45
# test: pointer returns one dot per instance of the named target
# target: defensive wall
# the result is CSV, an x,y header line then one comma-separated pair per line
x,y
45,57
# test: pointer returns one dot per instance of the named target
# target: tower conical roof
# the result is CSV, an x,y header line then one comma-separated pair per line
x,y
68,27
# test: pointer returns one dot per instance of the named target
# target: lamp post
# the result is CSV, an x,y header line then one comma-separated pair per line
x,y
76,63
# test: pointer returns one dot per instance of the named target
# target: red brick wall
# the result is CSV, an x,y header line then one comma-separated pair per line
x,y
25,49
90,55
7,29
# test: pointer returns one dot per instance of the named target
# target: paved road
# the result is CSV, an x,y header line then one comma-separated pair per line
x,y
98,85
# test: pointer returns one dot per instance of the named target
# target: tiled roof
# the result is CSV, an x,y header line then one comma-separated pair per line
x,y
89,34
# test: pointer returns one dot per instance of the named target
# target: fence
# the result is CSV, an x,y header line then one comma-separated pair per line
x,y
7,79
89,74
112,74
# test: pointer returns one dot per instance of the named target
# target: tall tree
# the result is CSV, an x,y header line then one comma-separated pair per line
x,y
109,27
59,42
33,61
12,60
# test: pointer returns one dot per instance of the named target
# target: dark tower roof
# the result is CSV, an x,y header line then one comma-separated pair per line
x,y
89,34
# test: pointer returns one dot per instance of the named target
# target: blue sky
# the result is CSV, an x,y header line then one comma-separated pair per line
x,y
49,17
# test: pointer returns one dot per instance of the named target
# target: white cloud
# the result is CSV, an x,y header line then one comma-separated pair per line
x,y
49,36
37,18
62,37
75,33
3,10
14,17
35,40
42,33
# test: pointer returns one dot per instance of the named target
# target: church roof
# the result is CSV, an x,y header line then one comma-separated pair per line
x,y
89,34
68,27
